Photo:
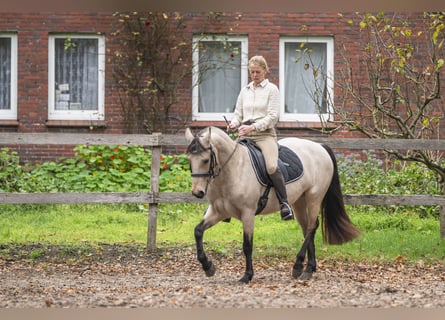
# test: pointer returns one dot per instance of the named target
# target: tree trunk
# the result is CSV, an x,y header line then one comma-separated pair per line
x,y
442,217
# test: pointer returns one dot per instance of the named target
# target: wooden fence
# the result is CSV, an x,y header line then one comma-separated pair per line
x,y
154,197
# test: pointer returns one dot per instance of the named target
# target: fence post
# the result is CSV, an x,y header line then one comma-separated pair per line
x,y
442,217
442,221
154,189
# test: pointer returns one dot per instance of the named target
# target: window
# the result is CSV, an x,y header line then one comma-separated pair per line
x,y
76,77
8,76
219,72
306,78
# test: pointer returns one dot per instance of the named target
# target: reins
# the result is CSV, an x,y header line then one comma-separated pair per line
x,y
230,156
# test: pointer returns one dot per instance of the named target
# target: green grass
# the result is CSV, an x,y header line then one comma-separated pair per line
x,y
387,236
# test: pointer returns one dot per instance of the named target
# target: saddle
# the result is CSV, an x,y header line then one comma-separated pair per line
x,y
288,162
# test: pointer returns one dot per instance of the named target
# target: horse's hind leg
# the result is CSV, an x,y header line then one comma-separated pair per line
x,y
309,246
301,214
308,219
297,270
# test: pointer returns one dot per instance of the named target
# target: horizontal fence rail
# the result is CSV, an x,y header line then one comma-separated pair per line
x,y
183,197
153,198
12,138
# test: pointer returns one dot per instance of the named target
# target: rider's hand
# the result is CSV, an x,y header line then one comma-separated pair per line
x,y
231,127
245,129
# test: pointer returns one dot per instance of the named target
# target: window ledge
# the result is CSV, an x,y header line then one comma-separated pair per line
x,y
208,123
303,125
9,123
76,123
280,125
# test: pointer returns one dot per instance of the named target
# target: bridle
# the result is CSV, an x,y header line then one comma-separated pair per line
x,y
212,174
214,168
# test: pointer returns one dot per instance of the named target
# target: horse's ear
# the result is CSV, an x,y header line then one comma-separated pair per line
x,y
206,138
188,135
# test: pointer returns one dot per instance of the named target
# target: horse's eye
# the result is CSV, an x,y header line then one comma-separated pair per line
x,y
205,161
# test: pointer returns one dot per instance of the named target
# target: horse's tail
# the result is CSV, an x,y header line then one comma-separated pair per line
x,y
337,228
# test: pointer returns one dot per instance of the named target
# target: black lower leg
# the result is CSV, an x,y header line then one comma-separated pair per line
x,y
202,258
311,259
311,266
248,249
298,267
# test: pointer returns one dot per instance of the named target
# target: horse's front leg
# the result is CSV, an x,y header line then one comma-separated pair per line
x,y
248,225
247,250
211,217
207,265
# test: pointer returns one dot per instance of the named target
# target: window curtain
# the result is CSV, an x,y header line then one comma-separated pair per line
x,y
301,86
220,76
5,73
76,74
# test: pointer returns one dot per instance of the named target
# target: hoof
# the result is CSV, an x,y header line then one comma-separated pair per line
x,y
296,273
305,276
210,272
245,279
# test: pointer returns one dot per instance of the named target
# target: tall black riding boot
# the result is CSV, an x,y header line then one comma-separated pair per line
x,y
280,190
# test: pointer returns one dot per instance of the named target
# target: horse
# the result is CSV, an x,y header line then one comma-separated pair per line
x,y
222,171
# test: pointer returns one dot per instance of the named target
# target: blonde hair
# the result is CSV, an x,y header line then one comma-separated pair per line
x,y
259,61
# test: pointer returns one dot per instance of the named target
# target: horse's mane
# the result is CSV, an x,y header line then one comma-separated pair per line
x,y
220,134
196,147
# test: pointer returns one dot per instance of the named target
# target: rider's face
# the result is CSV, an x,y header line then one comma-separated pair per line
x,y
257,73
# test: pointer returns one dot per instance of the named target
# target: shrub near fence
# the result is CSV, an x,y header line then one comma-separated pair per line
x,y
154,197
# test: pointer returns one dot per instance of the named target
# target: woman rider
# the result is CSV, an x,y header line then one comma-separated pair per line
x,y
256,114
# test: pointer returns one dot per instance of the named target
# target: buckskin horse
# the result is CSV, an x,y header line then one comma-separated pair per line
x,y
223,171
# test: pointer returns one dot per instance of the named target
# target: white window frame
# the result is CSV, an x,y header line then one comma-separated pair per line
x,y
11,113
54,114
315,117
215,116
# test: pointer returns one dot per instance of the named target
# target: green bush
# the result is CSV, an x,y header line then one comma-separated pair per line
x,y
175,174
11,172
96,168
373,176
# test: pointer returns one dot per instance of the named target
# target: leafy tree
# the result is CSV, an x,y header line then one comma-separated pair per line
x,y
389,82
152,61
148,66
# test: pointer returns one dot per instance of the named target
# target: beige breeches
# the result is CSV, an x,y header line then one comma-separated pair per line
x,y
269,146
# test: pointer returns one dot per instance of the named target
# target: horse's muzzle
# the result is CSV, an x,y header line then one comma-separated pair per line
x,y
200,194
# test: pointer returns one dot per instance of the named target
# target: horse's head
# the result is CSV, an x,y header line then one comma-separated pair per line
x,y
203,160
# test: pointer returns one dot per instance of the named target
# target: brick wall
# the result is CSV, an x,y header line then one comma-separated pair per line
x,y
263,31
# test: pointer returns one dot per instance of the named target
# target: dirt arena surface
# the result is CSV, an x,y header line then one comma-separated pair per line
x,y
125,276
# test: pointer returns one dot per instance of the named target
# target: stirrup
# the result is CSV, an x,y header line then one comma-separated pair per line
x,y
286,212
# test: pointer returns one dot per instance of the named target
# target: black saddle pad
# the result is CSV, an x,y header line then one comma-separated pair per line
x,y
289,163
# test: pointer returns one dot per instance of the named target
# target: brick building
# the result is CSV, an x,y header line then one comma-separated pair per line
x,y
49,88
